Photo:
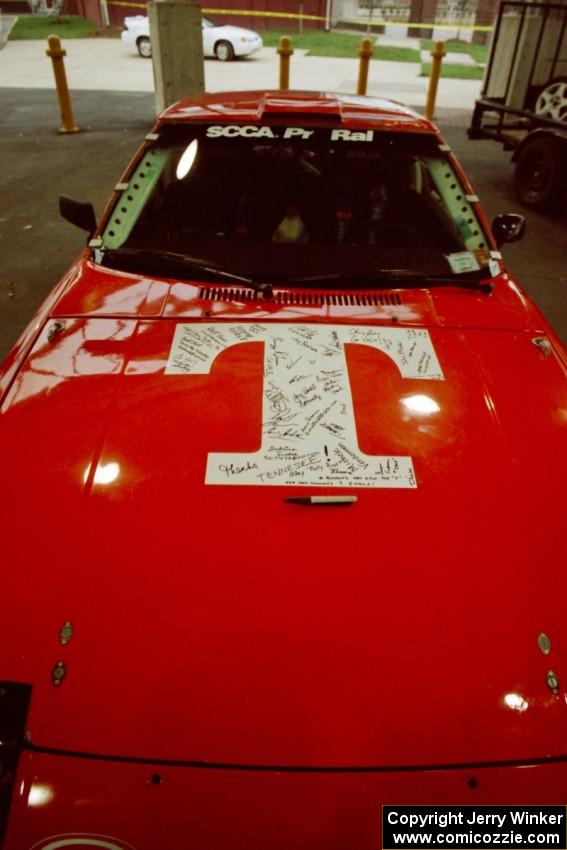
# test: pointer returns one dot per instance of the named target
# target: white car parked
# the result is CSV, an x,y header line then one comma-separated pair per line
x,y
224,42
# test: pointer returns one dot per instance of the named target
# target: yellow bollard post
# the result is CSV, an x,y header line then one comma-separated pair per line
x,y
365,52
437,55
56,54
285,50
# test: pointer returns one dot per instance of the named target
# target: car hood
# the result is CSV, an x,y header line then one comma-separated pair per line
x,y
162,612
137,22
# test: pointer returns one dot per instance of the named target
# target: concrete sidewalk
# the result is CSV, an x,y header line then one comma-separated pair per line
x,y
106,65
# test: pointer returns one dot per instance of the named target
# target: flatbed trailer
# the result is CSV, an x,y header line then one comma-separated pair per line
x,y
523,104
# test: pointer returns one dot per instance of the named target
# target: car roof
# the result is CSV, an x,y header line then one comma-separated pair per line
x,y
346,110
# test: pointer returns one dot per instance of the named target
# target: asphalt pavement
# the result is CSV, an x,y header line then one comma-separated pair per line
x,y
36,245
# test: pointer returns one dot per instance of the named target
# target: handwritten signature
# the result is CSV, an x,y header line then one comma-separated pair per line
x,y
233,468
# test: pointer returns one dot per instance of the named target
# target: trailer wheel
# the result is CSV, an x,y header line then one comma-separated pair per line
x,y
540,176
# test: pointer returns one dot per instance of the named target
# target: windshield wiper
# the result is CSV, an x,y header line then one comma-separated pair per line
x,y
403,279
170,261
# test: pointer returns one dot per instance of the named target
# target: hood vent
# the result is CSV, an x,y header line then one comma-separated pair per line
x,y
305,299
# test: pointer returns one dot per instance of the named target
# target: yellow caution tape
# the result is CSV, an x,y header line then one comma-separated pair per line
x,y
264,14
228,11
360,21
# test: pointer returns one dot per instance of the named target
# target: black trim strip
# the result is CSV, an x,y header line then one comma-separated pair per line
x,y
264,768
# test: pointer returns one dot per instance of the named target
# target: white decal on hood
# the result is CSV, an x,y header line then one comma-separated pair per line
x,y
308,425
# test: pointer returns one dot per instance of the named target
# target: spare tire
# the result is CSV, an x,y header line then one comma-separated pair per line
x,y
551,102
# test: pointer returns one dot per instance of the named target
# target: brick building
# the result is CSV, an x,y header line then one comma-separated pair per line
x,y
119,9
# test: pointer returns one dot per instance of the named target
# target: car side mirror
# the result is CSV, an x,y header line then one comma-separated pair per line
x,y
508,228
80,213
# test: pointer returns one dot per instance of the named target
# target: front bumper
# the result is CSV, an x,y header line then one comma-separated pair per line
x,y
144,806
247,48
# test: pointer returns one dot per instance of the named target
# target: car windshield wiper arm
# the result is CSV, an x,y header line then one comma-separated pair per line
x,y
403,279
172,261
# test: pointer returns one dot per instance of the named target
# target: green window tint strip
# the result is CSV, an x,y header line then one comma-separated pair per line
x,y
455,199
134,197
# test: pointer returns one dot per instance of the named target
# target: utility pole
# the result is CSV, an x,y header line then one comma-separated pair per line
x,y
328,15
104,13
177,50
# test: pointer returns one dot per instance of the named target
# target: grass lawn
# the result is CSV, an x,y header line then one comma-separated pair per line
x,y
455,72
338,44
65,26
479,52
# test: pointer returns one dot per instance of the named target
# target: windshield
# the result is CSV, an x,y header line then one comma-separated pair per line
x,y
285,203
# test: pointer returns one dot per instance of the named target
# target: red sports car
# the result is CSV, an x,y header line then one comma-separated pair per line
x,y
283,459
